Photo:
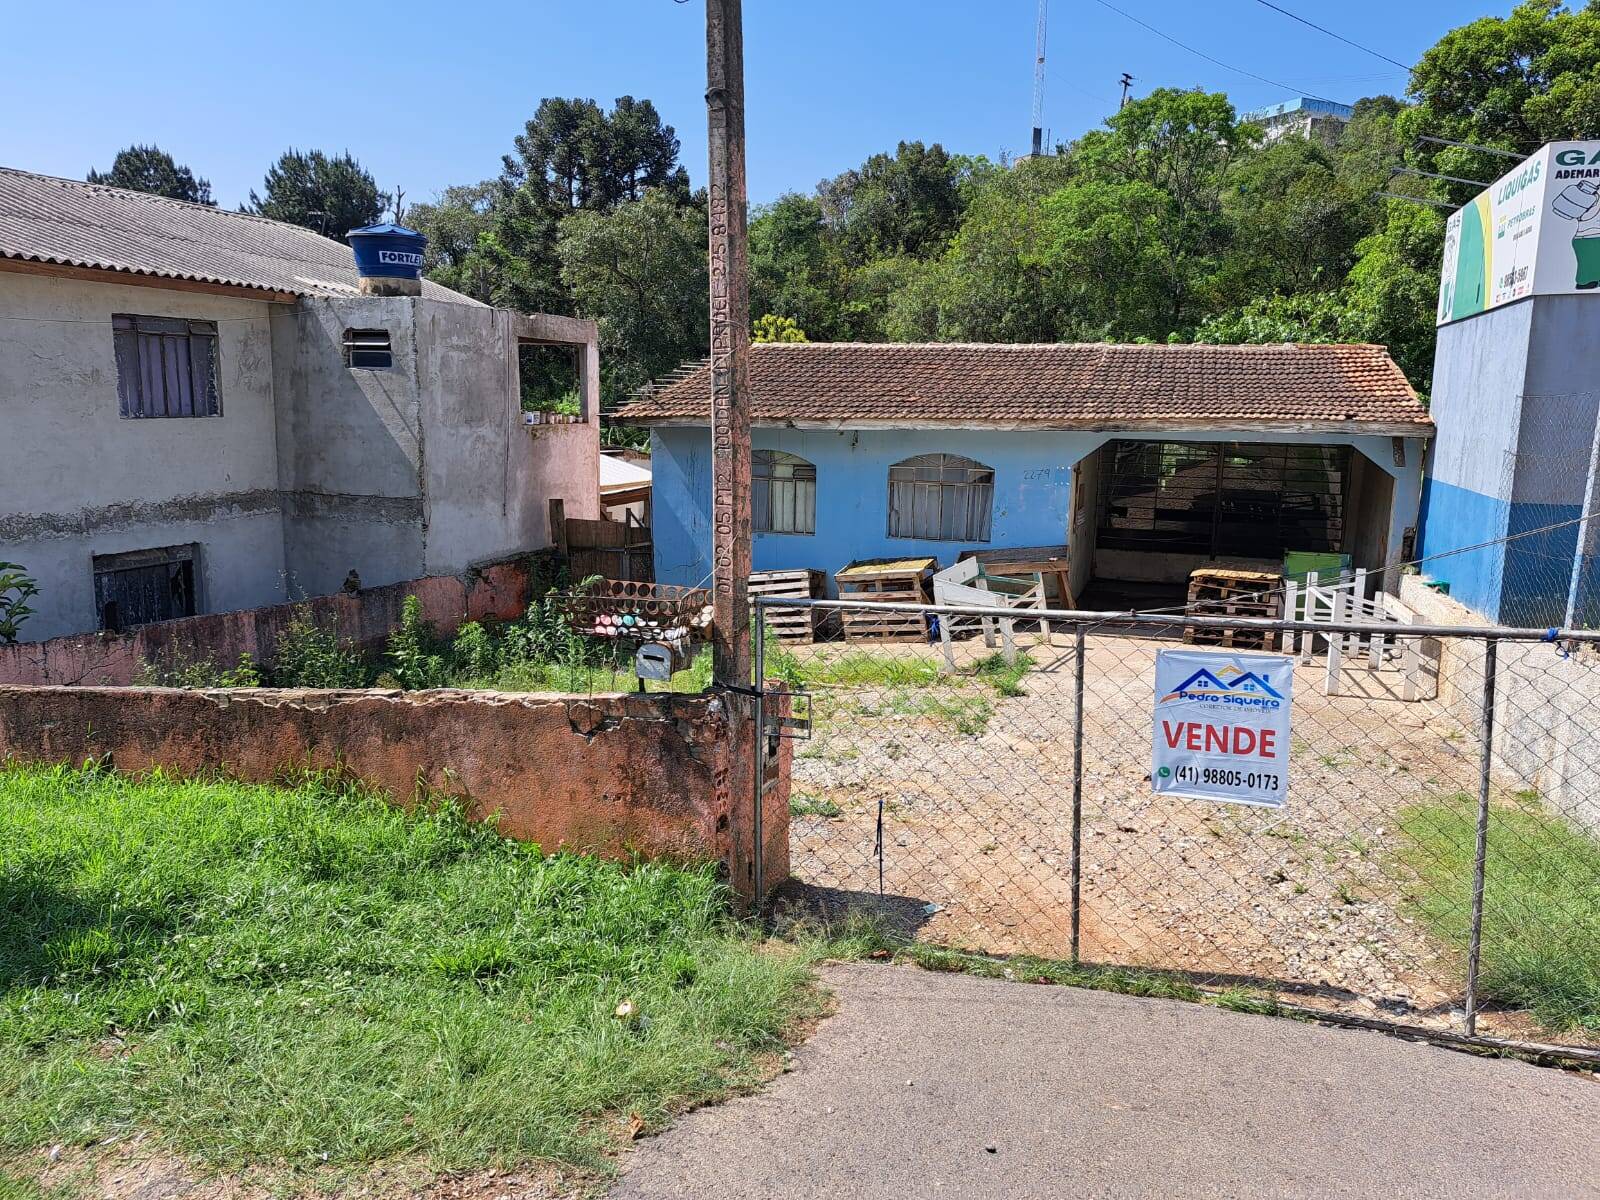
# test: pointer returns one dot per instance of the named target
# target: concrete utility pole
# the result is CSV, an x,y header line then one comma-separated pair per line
x,y
730,452
730,347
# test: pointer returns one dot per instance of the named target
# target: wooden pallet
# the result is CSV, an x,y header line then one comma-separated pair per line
x,y
1221,592
791,624
886,581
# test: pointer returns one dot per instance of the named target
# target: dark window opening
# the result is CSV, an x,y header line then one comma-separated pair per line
x,y
783,493
368,349
144,586
940,497
550,383
166,366
1223,499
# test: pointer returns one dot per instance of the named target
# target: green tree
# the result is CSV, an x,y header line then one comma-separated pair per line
x,y
1180,145
908,203
1293,223
571,157
331,195
1512,82
456,225
795,268
640,271
770,328
151,169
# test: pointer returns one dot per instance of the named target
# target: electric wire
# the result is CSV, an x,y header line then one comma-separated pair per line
x,y
1336,36
1288,87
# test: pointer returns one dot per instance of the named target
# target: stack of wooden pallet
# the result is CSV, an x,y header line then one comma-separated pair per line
x,y
791,624
1222,592
886,581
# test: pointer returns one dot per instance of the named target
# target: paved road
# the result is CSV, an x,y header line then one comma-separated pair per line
x,y
944,1085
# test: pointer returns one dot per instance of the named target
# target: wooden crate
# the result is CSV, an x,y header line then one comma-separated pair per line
x,y
886,581
1224,592
791,624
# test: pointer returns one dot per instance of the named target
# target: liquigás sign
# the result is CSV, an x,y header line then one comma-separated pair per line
x,y
1535,231
1222,726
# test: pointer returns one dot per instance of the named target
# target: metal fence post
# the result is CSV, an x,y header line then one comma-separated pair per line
x,y
1491,657
1077,787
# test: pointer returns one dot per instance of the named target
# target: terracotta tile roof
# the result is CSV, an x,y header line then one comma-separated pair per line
x,y
1061,385
48,220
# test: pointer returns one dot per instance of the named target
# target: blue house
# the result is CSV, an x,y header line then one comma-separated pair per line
x,y
1146,460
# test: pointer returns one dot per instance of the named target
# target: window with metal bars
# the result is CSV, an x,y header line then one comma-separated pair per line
x,y
1222,499
166,366
941,498
783,493
368,349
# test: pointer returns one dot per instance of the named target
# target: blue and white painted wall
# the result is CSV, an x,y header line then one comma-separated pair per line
x,y
1515,402
1033,492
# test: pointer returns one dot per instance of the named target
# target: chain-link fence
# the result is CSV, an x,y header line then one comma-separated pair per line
x,y
1435,864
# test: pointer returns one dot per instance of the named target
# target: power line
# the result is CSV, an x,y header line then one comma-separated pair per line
x,y
1336,36
1288,87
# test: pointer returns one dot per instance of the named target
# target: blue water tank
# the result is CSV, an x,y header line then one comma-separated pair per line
x,y
387,251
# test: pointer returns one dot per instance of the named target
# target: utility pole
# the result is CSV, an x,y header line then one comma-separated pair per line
x,y
730,347
1127,82
740,788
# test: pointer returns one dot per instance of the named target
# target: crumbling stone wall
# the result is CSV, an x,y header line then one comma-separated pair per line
x,y
618,775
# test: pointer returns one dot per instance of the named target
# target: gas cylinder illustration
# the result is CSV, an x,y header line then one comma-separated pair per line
x,y
1580,202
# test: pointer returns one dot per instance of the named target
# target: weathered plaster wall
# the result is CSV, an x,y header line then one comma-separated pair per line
x,y
1032,492
350,446
489,478
617,775
77,479
423,468
363,619
1547,736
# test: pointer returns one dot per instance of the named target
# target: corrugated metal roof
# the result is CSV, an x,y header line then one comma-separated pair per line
x,y
1061,385
65,221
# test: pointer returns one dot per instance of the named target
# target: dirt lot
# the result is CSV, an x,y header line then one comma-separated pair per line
x,y
975,793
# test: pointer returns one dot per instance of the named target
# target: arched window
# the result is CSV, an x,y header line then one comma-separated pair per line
x,y
783,493
941,498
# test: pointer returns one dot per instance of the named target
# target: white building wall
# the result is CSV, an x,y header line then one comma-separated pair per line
x,y
77,479
313,469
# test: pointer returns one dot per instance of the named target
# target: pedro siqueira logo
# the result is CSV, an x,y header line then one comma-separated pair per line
x,y
1231,685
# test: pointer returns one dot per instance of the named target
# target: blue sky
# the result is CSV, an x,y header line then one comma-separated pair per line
x,y
430,95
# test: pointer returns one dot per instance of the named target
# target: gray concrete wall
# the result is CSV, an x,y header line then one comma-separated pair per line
x,y
77,479
1547,707
488,478
350,446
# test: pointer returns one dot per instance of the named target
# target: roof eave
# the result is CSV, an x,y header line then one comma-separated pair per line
x,y
1421,428
62,270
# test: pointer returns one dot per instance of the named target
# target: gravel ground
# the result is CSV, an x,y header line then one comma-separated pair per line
x,y
975,790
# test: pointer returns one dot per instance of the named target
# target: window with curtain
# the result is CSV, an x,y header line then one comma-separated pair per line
x,y
783,493
941,498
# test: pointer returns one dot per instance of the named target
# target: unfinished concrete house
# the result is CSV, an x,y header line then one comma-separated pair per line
x,y
204,410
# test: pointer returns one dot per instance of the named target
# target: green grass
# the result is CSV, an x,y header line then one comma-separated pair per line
x,y
803,805
299,976
1541,906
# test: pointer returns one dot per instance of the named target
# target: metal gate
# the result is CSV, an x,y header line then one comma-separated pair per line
x,y
1435,867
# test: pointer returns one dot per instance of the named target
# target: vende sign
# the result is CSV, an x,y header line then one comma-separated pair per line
x,y
1222,726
